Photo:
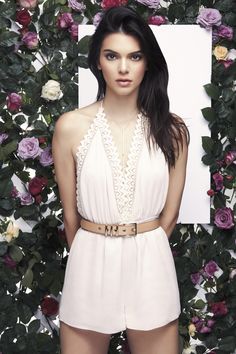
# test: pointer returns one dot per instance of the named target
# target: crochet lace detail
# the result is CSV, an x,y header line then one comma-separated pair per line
x,y
124,180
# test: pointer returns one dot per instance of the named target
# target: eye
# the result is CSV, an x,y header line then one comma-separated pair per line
x,y
136,57
110,56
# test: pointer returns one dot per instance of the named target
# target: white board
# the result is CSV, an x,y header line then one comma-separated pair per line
x,y
187,49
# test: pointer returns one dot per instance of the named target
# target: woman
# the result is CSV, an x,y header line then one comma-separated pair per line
x,y
120,165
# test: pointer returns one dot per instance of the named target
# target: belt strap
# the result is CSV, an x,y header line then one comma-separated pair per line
x,y
119,230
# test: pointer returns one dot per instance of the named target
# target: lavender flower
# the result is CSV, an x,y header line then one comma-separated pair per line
x,y
3,137
97,18
76,5
225,32
26,198
29,148
30,39
196,278
209,17
210,268
152,4
46,157
224,218
218,179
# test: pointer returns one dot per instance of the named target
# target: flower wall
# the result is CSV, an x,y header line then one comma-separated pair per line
x,y
40,56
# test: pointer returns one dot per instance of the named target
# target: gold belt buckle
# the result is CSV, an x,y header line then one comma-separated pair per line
x,y
111,230
134,229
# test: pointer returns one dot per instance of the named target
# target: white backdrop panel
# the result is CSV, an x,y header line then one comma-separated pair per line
x,y
187,49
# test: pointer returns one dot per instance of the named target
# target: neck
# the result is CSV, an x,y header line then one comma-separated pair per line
x,y
120,108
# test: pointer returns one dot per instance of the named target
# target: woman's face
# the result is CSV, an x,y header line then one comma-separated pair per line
x,y
122,63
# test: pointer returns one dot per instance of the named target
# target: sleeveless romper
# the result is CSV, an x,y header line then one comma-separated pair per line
x,y
114,283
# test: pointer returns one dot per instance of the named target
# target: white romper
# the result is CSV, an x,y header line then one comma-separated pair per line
x,y
114,283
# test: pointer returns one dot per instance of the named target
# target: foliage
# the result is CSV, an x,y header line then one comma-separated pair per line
x,y
32,240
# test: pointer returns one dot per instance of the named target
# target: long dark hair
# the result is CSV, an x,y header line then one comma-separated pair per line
x,y
165,129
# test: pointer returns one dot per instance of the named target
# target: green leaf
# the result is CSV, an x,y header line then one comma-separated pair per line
x,y
7,149
34,326
28,278
20,119
5,187
227,344
3,248
199,304
82,61
207,144
8,38
213,91
208,159
7,204
209,114
15,253
25,313
83,45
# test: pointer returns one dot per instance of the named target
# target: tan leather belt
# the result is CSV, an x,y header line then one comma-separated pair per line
x,y
120,230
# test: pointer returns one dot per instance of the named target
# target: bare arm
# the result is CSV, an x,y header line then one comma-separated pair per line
x,y
66,174
170,212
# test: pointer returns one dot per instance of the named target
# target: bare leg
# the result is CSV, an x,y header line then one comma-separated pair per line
x,y
81,341
163,340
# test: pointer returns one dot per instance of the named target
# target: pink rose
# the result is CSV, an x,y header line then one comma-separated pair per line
x,y
227,63
3,137
209,17
218,179
224,218
106,4
26,198
28,4
156,20
210,268
230,157
65,20
196,278
76,5
30,39
14,102
219,308
74,31
28,148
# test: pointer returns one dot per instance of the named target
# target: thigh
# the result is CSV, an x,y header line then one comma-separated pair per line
x,y
81,341
156,341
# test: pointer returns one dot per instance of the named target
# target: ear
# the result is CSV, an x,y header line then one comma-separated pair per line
x,y
98,66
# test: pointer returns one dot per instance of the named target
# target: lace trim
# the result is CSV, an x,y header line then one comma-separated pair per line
x,y
124,181
81,153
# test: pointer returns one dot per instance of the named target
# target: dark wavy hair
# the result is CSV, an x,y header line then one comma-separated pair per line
x,y
165,129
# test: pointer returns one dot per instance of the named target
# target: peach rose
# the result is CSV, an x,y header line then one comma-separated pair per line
x,y
220,52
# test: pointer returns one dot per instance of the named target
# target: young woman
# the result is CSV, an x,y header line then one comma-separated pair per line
x,y
120,165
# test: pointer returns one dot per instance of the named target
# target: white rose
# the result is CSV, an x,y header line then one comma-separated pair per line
x,y
12,231
51,91
189,350
231,54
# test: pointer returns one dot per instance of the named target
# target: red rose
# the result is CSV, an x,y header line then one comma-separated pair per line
x,y
23,17
42,140
210,192
49,306
219,308
36,185
112,3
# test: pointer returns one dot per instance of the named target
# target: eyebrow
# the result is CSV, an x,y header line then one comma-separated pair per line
x,y
113,51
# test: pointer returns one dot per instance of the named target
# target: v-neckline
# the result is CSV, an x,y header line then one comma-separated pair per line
x,y
124,181
114,153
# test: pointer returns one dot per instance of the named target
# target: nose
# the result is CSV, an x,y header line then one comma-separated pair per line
x,y
123,66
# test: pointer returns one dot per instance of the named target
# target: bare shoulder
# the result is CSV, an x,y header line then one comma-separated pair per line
x,y
73,125
181,130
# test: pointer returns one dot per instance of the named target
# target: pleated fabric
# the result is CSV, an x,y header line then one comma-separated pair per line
x,y
114,283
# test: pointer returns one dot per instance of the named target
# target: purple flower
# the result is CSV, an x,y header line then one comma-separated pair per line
x,y
76,5
205,329
3,137
196,278
14,102
28,148
224,218
9,262
225,32
30,39
210,323
209,17
210,268
152,4
218,179
65,20
14,192
230,157
156,20
46,157
97,18
74,31
26,198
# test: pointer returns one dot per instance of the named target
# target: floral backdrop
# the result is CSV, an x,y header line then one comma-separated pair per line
x,y
40,56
